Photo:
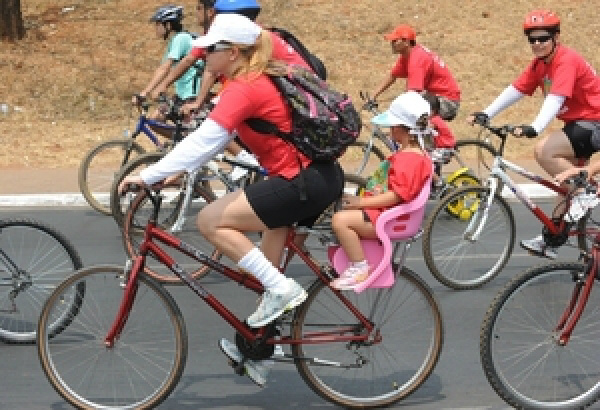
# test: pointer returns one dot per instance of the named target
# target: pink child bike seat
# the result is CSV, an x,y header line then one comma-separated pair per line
x,y
401,222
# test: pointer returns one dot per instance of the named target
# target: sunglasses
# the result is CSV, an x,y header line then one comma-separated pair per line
x,y
217,47
538,39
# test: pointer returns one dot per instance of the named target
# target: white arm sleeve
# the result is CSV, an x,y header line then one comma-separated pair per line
x,y
509,96
194,151
550,107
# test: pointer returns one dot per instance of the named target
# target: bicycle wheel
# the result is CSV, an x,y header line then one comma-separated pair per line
x,y
133,230
452,255
359,159
119,204
99,168
392,364
519,348
34,259
476,155
146,361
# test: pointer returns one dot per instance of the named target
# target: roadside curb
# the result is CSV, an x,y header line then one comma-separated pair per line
x,y
75,199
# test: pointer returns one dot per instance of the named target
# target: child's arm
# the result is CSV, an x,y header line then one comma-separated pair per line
x,y
386,199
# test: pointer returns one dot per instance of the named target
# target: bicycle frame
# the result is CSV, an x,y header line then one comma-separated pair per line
x,y
143,126
497,174
153,233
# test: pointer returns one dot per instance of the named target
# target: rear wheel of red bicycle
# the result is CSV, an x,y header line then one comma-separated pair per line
x,y
133,234
398,357
519,345
147,359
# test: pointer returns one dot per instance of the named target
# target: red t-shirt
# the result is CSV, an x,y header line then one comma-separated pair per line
x,y
569,75
424,70
282,51
407,175
445,137
256,97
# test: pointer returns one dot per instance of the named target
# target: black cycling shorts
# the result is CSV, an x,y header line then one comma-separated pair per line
x,y
583,135
277,201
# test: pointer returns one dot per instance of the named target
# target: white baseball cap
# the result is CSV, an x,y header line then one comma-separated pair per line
x,y
230,28
406,109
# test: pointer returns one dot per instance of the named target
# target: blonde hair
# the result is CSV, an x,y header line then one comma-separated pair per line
x,y
257,58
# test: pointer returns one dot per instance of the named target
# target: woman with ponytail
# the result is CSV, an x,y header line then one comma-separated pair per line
x,y
241,51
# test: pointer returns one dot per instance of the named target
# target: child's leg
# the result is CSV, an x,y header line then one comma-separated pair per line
x,y
349,227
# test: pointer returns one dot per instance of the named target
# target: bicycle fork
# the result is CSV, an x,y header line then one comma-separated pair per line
x,y
579,299
480,216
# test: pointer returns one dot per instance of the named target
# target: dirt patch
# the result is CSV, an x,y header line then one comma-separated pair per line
x,y
68,83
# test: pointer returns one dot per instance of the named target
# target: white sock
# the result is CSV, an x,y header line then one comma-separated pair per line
x,y
361,264
245,156
267,274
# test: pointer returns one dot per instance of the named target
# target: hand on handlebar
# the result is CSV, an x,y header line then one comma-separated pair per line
x,y
157,93
524,131
138,99
478,118
130,183
572,174
187,108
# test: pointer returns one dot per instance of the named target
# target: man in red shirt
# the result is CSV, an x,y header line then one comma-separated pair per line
x,y
423,70
571,90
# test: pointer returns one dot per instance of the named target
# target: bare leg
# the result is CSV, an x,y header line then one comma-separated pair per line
x,y
224,221
554,153
349,227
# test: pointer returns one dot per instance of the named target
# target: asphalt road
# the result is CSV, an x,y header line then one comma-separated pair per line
x,y
457,382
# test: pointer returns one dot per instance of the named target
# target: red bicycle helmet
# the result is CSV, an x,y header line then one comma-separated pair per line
x,y
541,19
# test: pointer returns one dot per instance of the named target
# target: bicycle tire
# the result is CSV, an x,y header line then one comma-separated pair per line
x,y
118,203
409,322
109,157
456,261
519,348
41,258
476,155
144,365
133,229
378,154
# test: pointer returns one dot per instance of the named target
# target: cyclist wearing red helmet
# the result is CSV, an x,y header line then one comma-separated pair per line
x,y
423,70
571,92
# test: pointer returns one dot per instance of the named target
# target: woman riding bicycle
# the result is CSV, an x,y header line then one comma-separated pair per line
x,y
241,51
571,91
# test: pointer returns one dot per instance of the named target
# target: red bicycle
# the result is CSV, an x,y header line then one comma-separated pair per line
x,y
539,339
126,345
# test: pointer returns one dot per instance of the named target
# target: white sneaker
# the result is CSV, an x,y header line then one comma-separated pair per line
x,y
256,370
273,305
539,247
239,172
580,204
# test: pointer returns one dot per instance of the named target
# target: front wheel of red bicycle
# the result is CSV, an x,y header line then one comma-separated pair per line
x,y
146,361
519,344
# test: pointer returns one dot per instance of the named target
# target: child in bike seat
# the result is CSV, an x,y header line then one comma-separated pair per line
x,y
398,179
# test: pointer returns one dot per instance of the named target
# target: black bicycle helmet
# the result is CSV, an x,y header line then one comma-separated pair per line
x,y
168,13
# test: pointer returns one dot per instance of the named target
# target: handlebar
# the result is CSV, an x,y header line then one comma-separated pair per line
x,y
370,104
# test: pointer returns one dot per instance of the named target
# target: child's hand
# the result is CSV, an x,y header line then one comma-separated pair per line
x,y
351,202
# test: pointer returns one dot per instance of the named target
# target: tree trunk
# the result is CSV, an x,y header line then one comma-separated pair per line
x,y
11,20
